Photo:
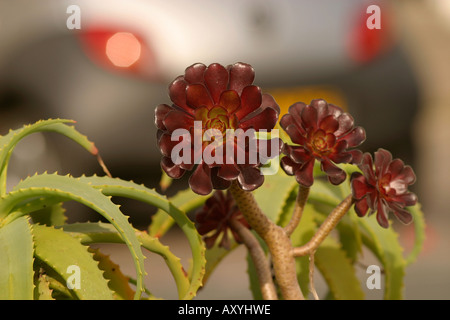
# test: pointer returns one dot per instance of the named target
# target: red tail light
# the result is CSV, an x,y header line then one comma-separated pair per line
x,y
119,50
366,44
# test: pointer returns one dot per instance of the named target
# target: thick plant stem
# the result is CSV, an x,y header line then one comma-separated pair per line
x,y
327,226
302,196
277,240
259,259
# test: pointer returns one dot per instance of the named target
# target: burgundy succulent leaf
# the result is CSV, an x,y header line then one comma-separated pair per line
x,y
214,219
383,187
320,131
221,98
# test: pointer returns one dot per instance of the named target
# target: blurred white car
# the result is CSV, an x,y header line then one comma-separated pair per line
x,y
109,74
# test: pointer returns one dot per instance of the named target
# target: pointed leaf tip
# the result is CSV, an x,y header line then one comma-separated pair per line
x,y
94,150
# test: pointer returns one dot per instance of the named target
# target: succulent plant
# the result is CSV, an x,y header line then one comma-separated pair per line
x,y
43,257
285,223
222,99
214,219
382,187
320,131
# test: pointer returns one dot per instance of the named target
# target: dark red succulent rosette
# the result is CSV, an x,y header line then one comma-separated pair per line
x,y
221,98
216,215
320,131
383,187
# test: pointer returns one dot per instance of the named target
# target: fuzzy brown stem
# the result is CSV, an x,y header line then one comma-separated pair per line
x,y
302,196
277,240
327,226
258,256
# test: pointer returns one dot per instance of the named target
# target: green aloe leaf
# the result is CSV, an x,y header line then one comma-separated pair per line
x,y
59,290
42,289
419,229
185,200
324,193
278,184
338,271
16,261
386,247
350,235
52,215
288,208
10,140
214,256
117,281
89,233
348,229
165,182
72,261
253,279
121,188
69,188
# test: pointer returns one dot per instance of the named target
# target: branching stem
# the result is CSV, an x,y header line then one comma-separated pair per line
x,y
302,196
324,230
277,240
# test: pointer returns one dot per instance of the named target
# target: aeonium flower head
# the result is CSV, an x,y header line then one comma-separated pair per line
x,y
214,219
383,187
209,102
320,131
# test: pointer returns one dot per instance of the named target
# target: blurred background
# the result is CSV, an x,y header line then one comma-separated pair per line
x,y
107,65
